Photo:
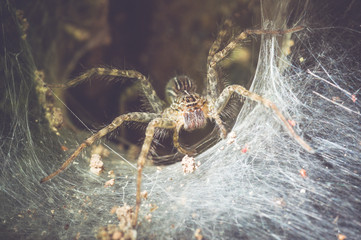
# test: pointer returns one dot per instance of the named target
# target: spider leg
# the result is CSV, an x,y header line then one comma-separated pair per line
x,y
149,134
135,116
274,32
221,126
177,144
212,76
157,104
217,43
227,92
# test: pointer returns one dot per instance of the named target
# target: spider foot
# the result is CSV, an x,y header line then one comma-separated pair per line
x,y
189,152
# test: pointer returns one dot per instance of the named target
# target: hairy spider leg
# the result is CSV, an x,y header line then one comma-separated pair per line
x,y
221,126
135,116
211,74
149,134
274,32
217,43
157,104
177,144
226,94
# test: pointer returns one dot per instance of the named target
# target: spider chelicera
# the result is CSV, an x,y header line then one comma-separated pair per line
x,y
186,109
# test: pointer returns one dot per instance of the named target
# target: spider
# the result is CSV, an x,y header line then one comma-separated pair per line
x,y
186,109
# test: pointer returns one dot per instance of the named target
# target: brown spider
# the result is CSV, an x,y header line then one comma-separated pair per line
x,y
186,109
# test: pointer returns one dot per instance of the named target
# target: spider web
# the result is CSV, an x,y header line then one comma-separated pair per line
x,y
249,186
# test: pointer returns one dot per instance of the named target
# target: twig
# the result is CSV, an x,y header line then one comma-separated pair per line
x,y
358,113
334,85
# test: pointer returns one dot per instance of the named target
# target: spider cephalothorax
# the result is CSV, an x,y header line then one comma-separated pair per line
x,y
186,108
